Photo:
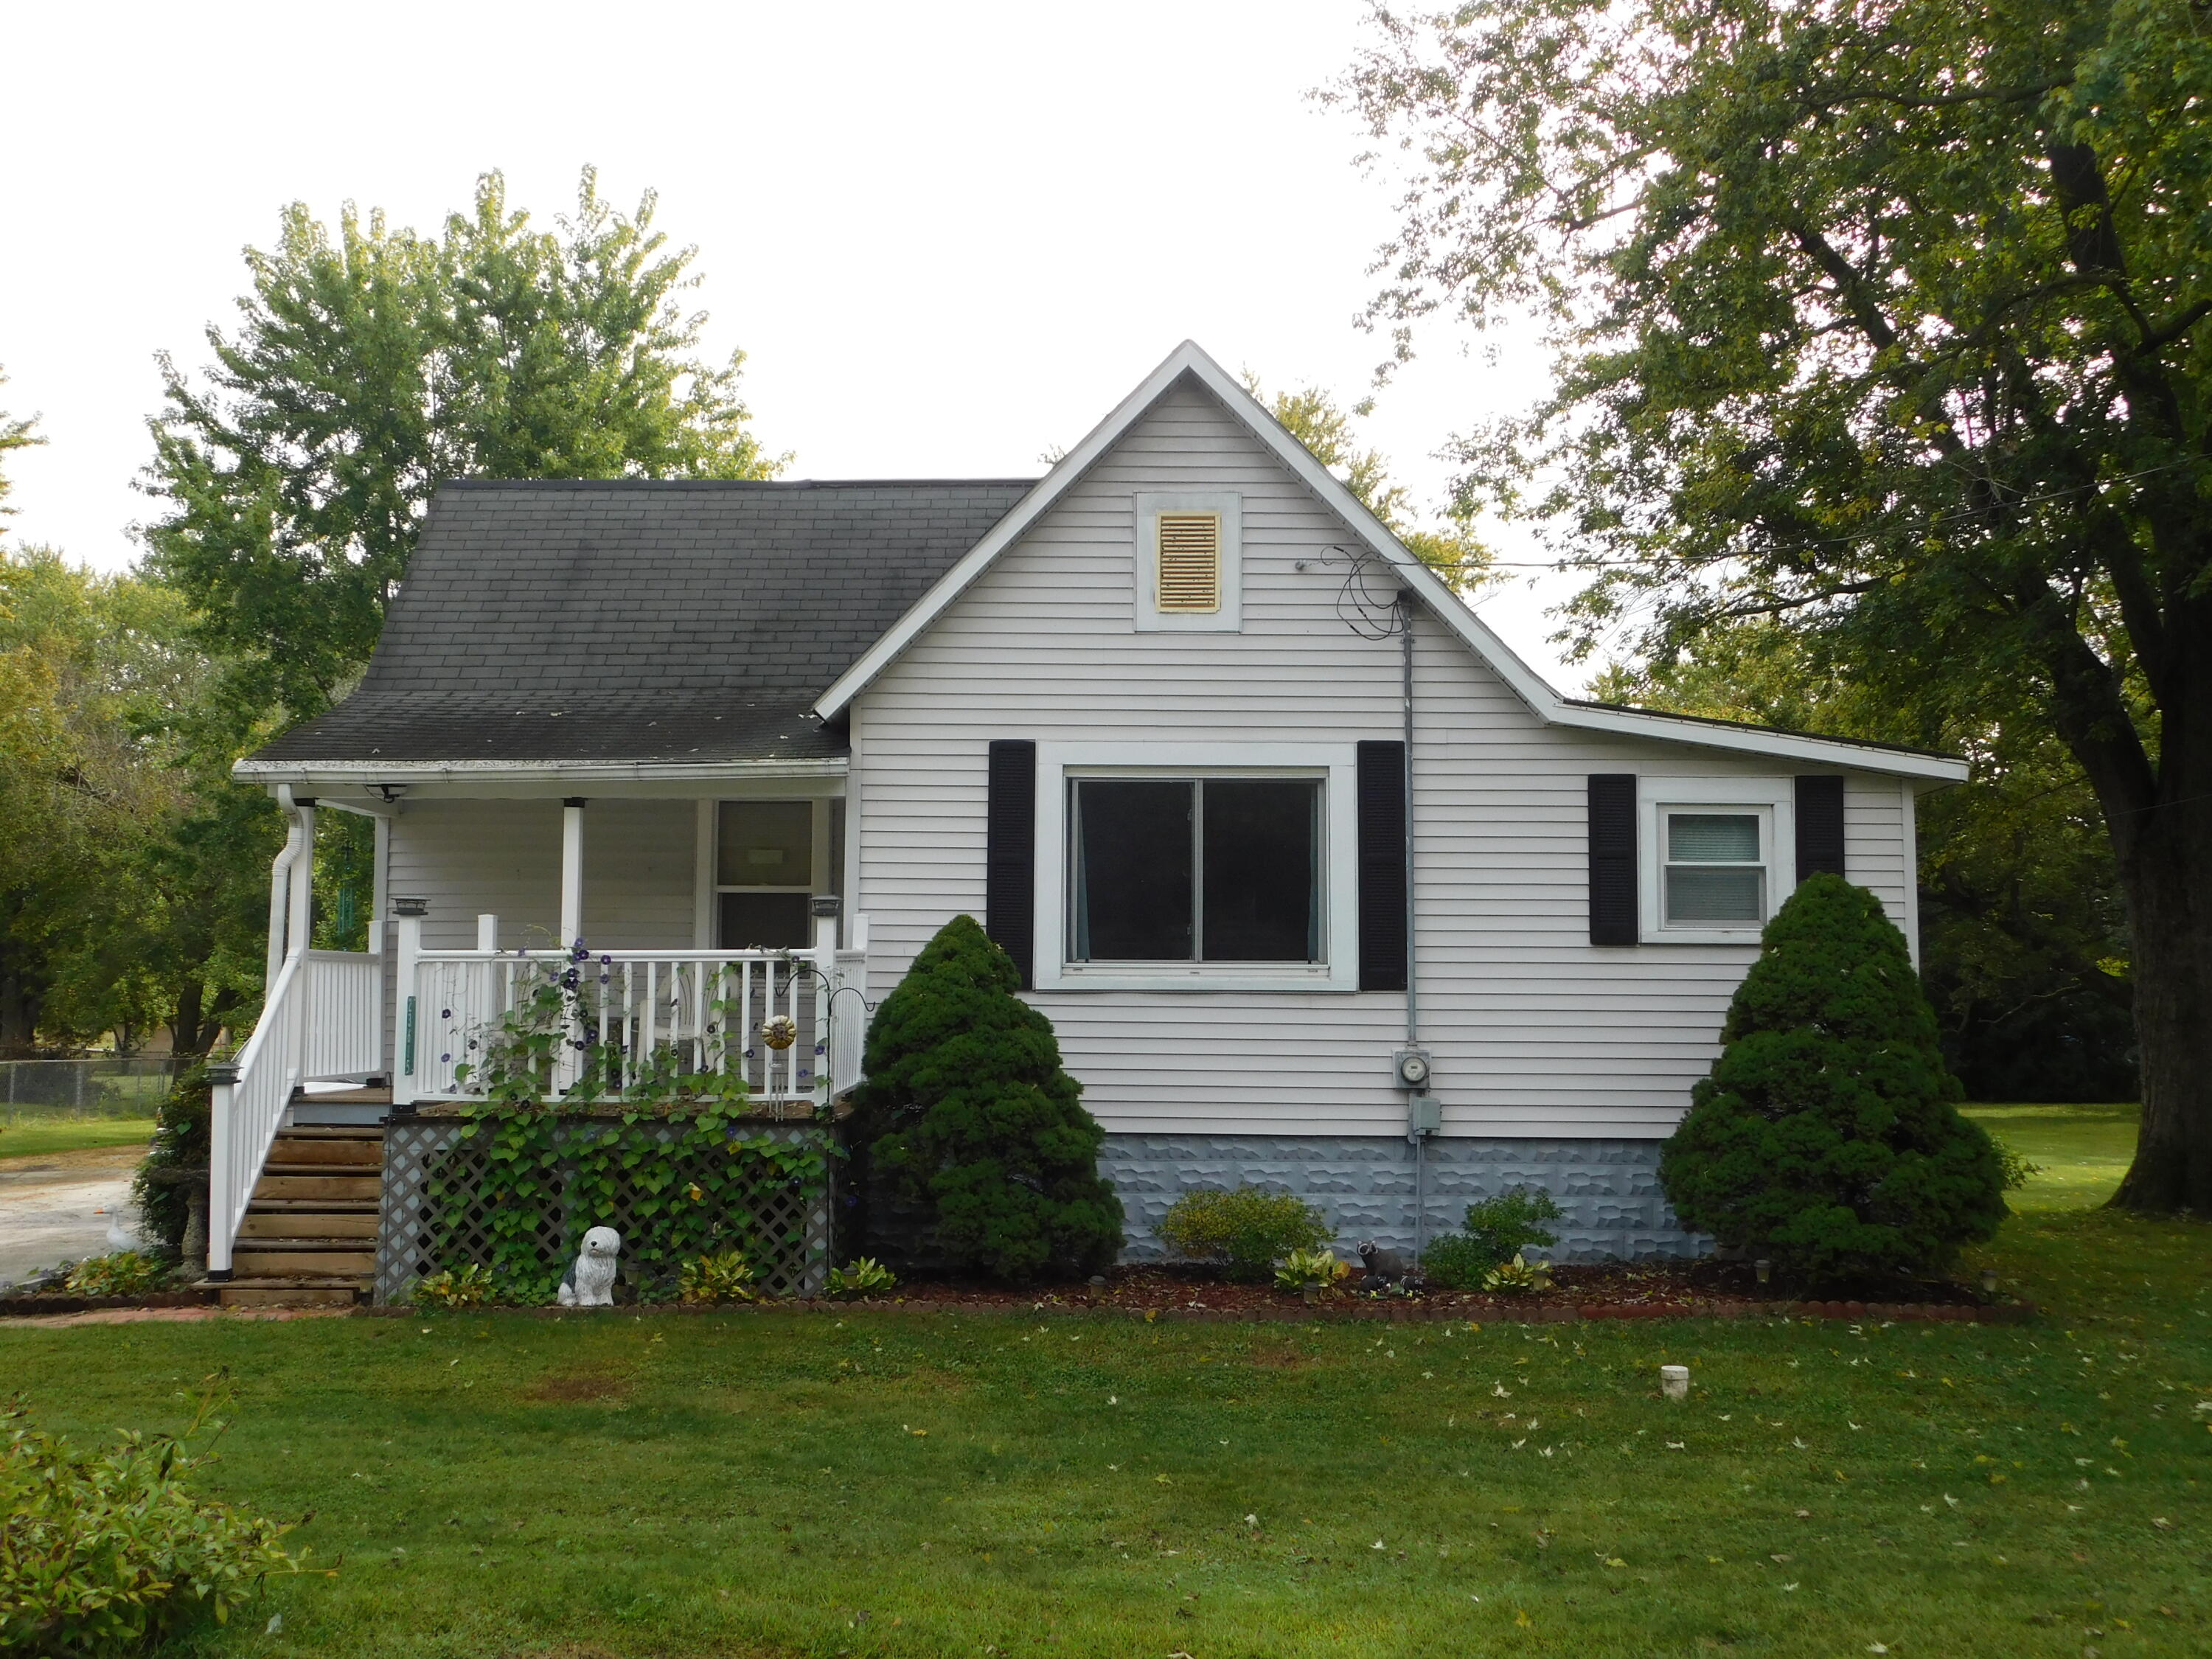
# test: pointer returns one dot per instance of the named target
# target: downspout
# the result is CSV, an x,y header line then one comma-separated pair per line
x,y
280,886
1417,1136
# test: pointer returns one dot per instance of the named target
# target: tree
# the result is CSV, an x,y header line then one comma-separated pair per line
x,y
2022,935
1316,420
1885,319
1827,1137
369,366
14,435
971,1113
88,664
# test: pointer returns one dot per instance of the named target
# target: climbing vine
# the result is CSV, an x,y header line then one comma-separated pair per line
x,y
665,1157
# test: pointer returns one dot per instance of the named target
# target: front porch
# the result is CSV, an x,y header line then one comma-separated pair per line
x,y
418,1022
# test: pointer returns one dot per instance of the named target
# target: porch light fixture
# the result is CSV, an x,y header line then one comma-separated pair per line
x,y
411,907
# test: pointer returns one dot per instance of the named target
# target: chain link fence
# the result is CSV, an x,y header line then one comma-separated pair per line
x,y
104,1087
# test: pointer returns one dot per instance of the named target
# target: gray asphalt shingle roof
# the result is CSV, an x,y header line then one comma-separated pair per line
x,y
635,621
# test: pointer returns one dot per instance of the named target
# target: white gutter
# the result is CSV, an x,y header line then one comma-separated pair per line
x,y
330,772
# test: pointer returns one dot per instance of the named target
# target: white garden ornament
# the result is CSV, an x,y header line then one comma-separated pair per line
x,y
591,1282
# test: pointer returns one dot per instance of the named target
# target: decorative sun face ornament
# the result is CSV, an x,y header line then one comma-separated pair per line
x,y
779,1032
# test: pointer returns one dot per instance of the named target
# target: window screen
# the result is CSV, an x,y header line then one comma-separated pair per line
x,y
764,875
1715,874
1198,870
766,843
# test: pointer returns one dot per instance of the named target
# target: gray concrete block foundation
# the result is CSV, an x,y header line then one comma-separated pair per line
x,y
1365,1185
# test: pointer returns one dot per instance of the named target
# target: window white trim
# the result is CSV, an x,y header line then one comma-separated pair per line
x,y
1773,800
1230,618
1336,762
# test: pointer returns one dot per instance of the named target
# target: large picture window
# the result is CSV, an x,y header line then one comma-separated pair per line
x,y
1195,870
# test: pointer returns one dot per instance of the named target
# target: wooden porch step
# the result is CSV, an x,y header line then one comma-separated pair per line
x,y
327,1186
297,1291
356,1223
313,1257
292,1150
313,1207
333,1131
374,1094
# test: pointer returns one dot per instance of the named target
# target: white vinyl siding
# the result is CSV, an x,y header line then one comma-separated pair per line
x,y
1534,1031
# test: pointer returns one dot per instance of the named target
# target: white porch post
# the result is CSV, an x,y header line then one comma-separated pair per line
x,y
572,870
409,1034
298,937
379,899
280,880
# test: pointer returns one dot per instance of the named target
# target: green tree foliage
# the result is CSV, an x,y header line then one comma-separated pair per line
x,y
1316,419
14,435
1887,319
371,364
972,1114
90,667
1828,1136
2023,935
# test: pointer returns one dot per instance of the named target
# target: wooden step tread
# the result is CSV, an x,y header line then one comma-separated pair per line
x,y
343,1172
313,1207
332,1131
266,1242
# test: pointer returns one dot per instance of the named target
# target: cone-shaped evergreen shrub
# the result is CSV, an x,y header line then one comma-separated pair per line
x,y
1826,1138
976,1118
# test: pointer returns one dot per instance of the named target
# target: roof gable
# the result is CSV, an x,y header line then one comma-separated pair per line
x,y
1188,359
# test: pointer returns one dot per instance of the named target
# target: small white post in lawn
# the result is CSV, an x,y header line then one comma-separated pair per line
x,y
1674,1382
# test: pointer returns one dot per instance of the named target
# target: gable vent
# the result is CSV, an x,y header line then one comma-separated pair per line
x,y
1190,561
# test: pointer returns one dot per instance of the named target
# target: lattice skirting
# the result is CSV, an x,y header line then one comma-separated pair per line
x,y
788,1243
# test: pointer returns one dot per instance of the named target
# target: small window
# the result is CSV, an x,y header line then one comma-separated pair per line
x,y
1716,870
1194,870
1190,562
764,870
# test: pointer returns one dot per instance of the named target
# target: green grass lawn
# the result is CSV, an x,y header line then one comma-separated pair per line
x,y
44,1137
885,1484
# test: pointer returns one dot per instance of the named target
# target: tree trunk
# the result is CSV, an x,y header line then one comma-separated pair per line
x,y
2168,885
190,1032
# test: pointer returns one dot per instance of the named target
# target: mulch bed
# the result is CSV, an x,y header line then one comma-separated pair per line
x,y
61,1302
1702,1289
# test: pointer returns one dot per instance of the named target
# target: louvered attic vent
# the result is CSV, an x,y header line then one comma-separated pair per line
x,y
1190,561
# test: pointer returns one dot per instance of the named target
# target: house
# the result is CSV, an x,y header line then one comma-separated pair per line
x,y
1321,886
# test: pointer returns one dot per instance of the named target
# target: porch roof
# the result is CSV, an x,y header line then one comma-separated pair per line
x,y
686,623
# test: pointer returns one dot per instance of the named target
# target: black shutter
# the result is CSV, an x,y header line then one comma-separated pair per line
x,y
1010,854
1612,919
1382,866
1819,824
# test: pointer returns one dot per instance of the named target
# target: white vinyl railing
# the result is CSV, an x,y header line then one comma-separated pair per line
x,y
322,1019
715,1011
344,1014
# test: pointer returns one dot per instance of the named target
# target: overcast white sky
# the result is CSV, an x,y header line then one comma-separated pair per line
x,y
947,236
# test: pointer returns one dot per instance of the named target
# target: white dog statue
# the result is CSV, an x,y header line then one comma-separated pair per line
x,y
591,1282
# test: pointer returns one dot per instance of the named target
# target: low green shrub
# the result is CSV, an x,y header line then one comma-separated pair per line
x,y
1519,1277
183,1139
1496,1230
126,1272
866,1277
1248,1229
107,1552
468,1287
1310,1270
725,1276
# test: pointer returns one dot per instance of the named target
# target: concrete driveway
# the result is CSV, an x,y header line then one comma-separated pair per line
x,y
58,1207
